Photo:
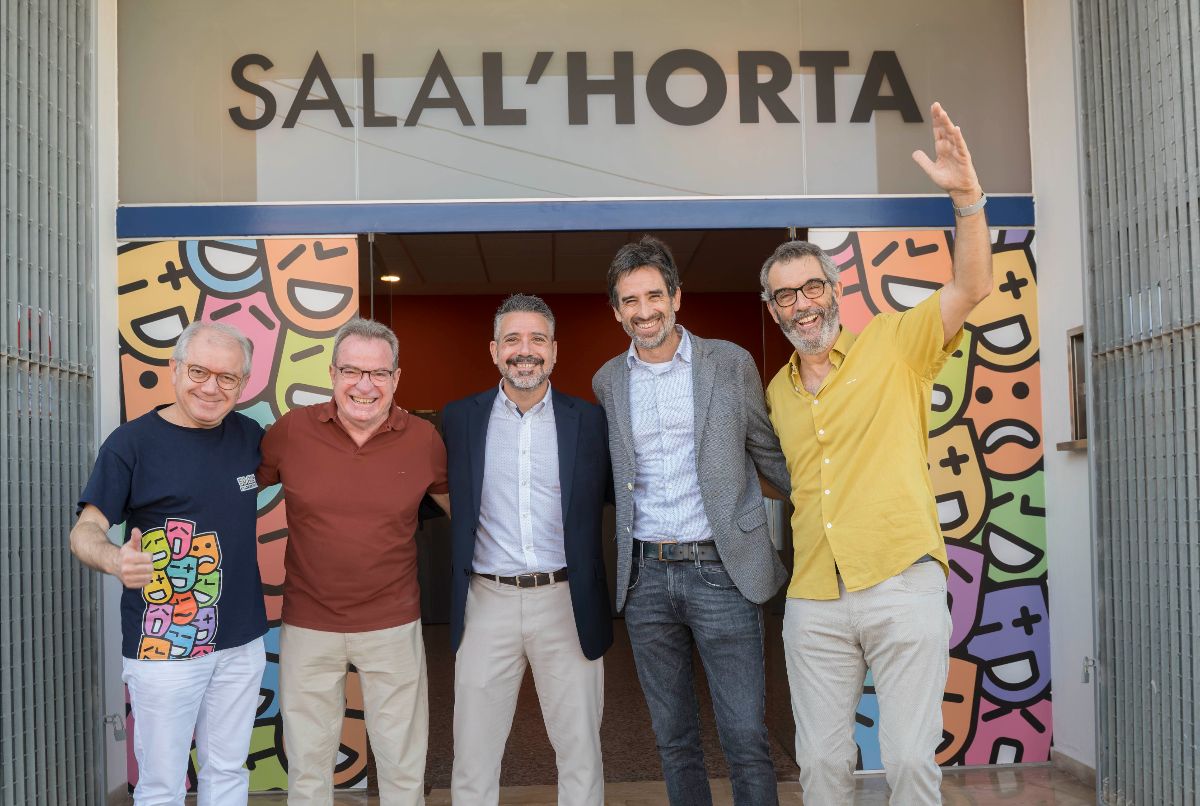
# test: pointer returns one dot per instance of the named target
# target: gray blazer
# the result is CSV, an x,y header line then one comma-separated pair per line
x,y
733,437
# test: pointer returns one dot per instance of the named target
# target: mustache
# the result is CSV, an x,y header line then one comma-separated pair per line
x,y
525,359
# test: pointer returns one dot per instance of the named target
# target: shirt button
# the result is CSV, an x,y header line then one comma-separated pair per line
x,y
827,492
628,528
815,402
829,526
629,486
826,461
820,432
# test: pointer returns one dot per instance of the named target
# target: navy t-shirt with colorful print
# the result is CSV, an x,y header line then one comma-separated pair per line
x,y
192,493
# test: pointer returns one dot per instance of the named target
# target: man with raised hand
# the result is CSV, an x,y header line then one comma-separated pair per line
x,y
181,478
868,584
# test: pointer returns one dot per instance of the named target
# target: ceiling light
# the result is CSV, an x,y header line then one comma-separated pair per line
x,y
389,278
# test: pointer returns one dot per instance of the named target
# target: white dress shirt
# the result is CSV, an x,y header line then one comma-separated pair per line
x,y
520,511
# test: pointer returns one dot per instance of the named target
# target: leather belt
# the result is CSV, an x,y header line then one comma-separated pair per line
x,y
671,551
533,580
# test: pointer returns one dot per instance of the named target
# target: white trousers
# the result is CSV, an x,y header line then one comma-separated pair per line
x,y
508,628
214,697
899,628
312,690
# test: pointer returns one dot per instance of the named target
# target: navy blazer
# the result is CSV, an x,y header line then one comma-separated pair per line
x,y
585,480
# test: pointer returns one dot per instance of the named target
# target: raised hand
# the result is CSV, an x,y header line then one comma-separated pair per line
x,y
953,170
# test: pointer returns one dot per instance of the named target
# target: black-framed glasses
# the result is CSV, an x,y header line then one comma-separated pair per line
x,y
786,297
352,375
226,380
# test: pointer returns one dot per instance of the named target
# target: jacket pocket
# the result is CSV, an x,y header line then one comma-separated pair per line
x,y
755,518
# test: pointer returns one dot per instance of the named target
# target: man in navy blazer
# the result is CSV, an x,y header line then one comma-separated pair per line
x,y
529,473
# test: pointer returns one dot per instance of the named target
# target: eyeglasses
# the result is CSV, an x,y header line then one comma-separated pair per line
x,y
352,375
226,380
786,297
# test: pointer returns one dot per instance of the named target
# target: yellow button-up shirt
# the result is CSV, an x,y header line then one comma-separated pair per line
x,y
857,453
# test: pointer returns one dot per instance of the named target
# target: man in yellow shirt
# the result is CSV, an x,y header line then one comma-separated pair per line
x,y
868,586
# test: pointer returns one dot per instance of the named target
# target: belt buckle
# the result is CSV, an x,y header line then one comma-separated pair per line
x,y
660,548
521,580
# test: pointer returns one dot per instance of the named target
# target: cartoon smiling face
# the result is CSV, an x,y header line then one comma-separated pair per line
x,y
958,709
1006,409
958,481
303,376
949,396
1006,322
1007,735
1015,534
154,543
157,619
313,283
902,269
157,298
226,268
184,608
1012,644
963,588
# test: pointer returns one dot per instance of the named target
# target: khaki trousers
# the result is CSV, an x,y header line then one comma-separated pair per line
x,y
508,628
899,628
312,684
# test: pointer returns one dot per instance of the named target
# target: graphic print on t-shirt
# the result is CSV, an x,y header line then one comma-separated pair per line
x,y
180,619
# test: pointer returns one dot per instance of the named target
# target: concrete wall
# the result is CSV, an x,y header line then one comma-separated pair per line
x,y
1053,134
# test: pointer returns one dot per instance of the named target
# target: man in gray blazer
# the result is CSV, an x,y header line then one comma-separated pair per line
x,y
688,436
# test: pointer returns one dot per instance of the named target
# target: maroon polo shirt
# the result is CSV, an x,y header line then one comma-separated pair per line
x,y
351,561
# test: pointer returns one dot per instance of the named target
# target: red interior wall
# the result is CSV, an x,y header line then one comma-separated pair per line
x,y
444,339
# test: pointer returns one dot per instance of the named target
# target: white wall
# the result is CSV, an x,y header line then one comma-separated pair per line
x,y
1053,133
108,384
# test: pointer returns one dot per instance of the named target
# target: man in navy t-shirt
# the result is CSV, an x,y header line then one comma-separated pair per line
x,y
181,478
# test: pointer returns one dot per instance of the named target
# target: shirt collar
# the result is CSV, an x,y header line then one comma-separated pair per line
x,y
841,346
396,421
504,400
683,352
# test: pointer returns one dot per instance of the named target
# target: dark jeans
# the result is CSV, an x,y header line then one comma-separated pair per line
x,y
671,607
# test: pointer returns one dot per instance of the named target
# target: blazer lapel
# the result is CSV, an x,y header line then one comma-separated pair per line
x,y
566,426
481,414
704,373
621,406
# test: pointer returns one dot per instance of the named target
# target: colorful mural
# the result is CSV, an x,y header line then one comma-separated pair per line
x,y
289,297
985,459
985,452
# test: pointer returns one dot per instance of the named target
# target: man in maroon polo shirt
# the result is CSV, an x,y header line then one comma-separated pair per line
x,y
354,472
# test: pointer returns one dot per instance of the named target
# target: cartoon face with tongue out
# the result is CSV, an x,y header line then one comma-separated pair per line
x,y
1005,323
157,297
313,283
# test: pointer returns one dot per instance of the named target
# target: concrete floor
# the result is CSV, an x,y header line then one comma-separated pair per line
x,y
1030,785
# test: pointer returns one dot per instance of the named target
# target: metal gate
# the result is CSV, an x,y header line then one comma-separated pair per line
x,y
49,605
1139,74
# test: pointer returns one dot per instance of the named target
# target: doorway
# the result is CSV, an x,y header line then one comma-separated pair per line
x,y
439,292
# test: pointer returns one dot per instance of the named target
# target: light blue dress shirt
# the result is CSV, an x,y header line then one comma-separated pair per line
x,y
667,505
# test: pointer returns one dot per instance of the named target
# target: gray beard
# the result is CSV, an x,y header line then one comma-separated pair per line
x,y
656,341
822,342
524,382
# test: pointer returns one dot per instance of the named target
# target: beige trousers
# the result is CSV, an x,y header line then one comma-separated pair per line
x,y
508,628
899,628
312,681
